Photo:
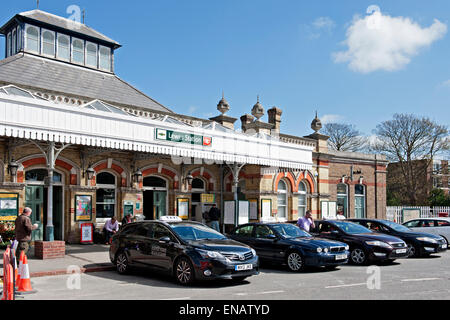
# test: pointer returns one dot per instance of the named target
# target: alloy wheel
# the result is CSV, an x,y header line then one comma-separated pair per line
x,y
295,261
358,256
412,250
122,263
184,272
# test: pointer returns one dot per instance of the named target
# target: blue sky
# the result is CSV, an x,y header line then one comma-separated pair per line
x,y
183,53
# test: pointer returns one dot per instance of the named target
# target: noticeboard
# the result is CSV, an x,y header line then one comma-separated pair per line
x,y
87,232
183,208
244,212
83,208
229,210
410,214
9,206
266,208
253,209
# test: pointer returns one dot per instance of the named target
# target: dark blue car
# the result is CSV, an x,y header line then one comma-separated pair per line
x,y
287,244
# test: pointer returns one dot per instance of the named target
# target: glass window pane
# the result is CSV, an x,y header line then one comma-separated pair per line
x,y
105,178
63,47
342,188
198,184
105,58
14,39
359,189
78,51
302,187
91,58
32,42
154,182
48,44
282,186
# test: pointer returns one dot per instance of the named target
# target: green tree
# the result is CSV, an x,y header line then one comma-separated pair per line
x,y
439,198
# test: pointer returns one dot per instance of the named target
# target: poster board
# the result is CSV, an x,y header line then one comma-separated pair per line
x,y
183,208
266,208
207,198
9,206
229,212
328,209
410,214
83,208
244,212
87,234
253,209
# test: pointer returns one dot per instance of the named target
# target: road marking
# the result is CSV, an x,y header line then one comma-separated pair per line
x,y
182,298
346,285
264,292
424,279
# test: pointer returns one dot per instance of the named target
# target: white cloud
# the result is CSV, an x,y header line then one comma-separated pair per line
x,y
331,118
445,84
318,26
192,109
381,42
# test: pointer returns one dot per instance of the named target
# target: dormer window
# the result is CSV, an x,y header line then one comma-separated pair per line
x,y
48,43
77,51
91,55
14,39
63,47
105,58
32,39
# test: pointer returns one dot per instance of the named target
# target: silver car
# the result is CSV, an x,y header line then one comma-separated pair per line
x,y
437,226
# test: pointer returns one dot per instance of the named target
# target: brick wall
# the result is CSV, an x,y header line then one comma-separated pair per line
x,y
49,249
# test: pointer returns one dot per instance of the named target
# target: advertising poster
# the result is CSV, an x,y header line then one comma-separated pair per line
x,y
243,212
229,212
183,208
253,209
9,208
83,208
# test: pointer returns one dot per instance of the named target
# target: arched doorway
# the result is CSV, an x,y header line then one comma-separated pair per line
x,y
198,187
105,196
36,193
155,197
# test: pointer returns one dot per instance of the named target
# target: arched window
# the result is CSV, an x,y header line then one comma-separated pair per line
x,y
360,201
282,199
78,51
106,195
105,58
302,204
63,47
32,39
91,55
48,43
39,175
342,199
154,182
14,42
198,184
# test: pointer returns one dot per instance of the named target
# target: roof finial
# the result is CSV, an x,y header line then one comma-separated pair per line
x,y
37,4
84,15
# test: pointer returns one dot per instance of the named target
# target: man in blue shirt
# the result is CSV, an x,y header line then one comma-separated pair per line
x,y
306,222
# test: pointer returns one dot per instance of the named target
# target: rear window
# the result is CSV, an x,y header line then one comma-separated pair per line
x,y
245,231
442,223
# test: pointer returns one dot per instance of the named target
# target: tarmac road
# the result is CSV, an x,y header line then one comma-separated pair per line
x,y
421,278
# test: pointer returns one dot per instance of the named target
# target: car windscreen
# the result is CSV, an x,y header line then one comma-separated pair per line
x,y
396,226
351,228
290,231
196,232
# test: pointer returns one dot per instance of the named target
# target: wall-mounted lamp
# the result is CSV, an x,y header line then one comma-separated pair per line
x,y
13,166
90,172
137,176
189,178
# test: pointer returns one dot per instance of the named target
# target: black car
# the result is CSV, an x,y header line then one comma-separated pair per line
x,y
365,245
287,244
185,249
419,243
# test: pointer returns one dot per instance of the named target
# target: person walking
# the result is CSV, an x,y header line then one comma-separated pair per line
x,y
23,228
306,222
214,217
111,227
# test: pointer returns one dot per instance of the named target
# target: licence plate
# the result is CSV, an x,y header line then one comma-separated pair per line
x,y
401,250
444,246
242,267
341,256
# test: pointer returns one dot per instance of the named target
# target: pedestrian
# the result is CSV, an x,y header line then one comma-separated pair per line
x,y
306,222
340,215
127,219
214,218
23,230
111,227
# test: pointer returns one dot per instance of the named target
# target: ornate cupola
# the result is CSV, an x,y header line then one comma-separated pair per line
x,y
258,110
322,140
224,120
316,124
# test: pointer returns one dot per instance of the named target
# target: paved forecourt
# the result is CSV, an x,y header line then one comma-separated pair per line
x,y
424,278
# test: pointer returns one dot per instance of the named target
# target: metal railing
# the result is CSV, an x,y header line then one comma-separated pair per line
x,y
396,213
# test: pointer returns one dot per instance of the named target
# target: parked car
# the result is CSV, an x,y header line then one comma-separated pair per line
x,y
283,243
365,245
437,226
419,243
187,250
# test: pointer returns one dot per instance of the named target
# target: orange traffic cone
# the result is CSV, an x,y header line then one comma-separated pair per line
x,y
8,284
25,281
19,271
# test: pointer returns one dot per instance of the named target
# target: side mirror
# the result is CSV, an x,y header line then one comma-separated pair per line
x,y
271,237
164,240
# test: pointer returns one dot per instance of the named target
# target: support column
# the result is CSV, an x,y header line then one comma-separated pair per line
x,y
49,229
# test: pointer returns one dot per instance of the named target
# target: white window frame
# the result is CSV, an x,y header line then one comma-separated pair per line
x,y
341,195
14,42
96,54
285,193
27,48
73,51
302,194
54,43
106,186
364,202
100,58
58,36
8,44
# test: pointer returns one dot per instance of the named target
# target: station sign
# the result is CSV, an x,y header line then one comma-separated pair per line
x,y
182,137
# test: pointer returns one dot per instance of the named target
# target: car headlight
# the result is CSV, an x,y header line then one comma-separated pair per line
x,y
378,244
254,252
210,254
426,239
347,248
319,250
325,250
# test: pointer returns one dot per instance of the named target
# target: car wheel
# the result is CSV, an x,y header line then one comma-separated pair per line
x,y
122,263
295,261
413,251
184,271
446,241
358,256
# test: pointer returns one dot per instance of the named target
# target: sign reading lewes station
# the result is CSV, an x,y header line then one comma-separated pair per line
x,y
181,137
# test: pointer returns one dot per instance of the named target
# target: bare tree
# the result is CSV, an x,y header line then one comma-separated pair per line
x,y
344,137
411,143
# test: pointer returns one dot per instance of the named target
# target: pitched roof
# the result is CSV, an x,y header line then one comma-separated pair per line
x,y
64,23
41,73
